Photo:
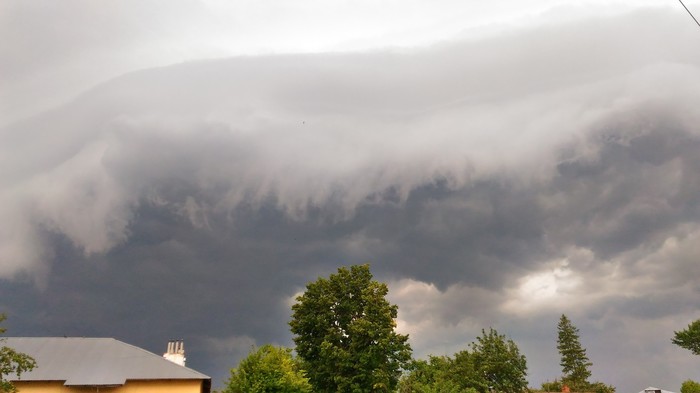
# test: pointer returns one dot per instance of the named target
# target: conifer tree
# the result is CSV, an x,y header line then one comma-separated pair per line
x,y
574,362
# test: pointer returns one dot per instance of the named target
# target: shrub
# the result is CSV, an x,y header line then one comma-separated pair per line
x,y
554,386
599,387
690,386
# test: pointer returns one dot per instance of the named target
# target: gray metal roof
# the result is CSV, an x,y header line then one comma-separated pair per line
x,y
93,361
653,389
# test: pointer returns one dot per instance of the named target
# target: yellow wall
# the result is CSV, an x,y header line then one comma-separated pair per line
x,y
159,386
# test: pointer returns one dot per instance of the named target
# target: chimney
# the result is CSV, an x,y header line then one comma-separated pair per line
x,y
176,352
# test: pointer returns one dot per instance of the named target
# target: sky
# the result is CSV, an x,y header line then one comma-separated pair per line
x,y
181,170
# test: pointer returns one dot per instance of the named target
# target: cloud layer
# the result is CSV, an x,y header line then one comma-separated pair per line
x,y
493,182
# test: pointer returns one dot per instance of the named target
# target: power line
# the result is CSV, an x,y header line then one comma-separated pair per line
x,y
690,13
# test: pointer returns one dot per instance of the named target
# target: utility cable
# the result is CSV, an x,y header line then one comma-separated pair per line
x,y
690,13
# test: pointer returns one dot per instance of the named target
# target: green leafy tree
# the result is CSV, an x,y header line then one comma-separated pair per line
x,y
465,371
574,362
12,363
493,364
689,338
690,386
266,370
344,330
437,375
499,361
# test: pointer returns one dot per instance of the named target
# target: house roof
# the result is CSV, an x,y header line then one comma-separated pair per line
x,y
93,361
651,389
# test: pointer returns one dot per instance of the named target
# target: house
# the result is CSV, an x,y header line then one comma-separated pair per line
x,y
651,389
72,364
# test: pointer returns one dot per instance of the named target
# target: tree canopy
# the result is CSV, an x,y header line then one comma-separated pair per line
x,y
574,362
344,330
268,369
437,375
689,338
500,361
12,362
494,363
690,386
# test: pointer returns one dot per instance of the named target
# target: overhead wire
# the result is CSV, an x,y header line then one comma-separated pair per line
x,y
689,13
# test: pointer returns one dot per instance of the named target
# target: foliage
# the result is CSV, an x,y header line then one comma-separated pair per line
x,y
268,369
689,338
574,362
690,386
553,386
493,364
465,372
344,330
435,376
12,362
499,360
595,387
599,387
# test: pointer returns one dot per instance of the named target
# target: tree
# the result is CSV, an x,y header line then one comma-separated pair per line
x,y
494,364
690,386
689,338
574,362
266,370
465,372
344,330
12,362
437,375
499,360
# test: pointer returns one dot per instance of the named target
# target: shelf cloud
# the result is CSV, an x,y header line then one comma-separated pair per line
x,y
498,181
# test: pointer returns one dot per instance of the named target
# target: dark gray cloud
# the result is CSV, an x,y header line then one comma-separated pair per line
x,y
498,182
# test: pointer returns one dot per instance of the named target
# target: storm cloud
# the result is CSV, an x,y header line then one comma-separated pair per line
x,y
498,181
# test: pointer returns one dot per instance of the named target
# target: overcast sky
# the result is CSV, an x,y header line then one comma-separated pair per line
x,y
183,169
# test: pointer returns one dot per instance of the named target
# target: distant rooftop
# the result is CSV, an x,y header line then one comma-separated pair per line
x,y
93,361
652,389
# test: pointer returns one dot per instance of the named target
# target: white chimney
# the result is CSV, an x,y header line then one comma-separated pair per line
x,y
176,352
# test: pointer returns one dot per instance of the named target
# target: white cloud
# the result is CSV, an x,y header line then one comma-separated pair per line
x,y
332,128
81,200
437,320
552,288
53,53
21,247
